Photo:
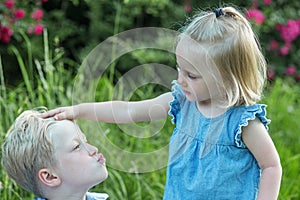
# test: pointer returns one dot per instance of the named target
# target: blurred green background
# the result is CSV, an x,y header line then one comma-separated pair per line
x,y
40,69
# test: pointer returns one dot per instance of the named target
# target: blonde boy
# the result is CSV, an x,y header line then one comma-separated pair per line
x,y
52,159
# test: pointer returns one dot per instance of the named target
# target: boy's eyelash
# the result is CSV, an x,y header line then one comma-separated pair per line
x,y
76,147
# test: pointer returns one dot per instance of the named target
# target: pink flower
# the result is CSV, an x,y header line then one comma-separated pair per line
x,y
11,14
255,4
270,73
9,3
274,45
5,34
38,29
297,77
267,2
290,31
19,14
187,6
284,50
256,15
30,30
278,27
291,70
37,15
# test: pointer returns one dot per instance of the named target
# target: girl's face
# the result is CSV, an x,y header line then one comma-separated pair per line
x,y
80,166
197,75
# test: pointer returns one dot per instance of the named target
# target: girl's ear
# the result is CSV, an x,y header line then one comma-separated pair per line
x,y
49,178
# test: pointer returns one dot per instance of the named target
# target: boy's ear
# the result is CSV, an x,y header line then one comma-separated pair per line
x,y
49,178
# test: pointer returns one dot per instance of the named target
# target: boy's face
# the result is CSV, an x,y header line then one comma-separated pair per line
x,y
79,165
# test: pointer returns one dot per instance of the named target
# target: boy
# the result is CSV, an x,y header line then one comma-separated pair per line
x,y
52,159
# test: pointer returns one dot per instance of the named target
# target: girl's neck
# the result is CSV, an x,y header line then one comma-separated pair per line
x,y
210,109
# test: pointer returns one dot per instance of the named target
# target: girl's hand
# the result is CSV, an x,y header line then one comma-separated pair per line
x,y
61,113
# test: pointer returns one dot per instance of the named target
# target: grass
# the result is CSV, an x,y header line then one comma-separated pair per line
x,y
53,86
284,111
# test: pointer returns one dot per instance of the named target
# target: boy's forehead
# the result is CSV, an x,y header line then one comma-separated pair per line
x,y
63,131
63,125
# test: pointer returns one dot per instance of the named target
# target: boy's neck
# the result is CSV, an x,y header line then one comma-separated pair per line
x,y
74,196
67,198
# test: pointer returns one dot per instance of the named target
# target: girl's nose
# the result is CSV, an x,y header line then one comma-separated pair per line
x,y
181,79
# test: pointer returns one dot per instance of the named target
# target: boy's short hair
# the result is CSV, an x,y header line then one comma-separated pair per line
x,y
27,148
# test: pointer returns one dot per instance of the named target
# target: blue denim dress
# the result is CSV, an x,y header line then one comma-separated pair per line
x,y
207,157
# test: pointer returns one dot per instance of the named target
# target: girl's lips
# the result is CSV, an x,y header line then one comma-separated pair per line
x,y
186,92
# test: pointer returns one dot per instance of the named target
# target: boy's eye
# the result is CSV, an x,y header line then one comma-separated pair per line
x,y
76,147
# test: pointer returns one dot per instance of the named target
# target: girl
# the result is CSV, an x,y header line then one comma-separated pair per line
x,y
220,148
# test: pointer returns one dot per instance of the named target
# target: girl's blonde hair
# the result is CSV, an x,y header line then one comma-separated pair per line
x,y
27,149
230,42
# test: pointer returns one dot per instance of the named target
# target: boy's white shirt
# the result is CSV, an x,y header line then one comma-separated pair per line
x,y
97,195
90,196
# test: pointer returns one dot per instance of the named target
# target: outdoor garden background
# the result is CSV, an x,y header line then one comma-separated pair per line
x,y
44,42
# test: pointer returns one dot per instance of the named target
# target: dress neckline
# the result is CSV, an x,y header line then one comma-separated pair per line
x,y
213,117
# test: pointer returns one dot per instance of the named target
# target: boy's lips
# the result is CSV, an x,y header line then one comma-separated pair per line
x,y
101,159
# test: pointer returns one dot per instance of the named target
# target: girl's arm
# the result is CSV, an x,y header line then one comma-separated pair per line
x,y
115,111
258,141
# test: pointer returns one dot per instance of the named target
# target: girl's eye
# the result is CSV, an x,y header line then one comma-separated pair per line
x,y
191,76
187,74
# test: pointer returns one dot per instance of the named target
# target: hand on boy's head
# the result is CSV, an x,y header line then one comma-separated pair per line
x,y
60,113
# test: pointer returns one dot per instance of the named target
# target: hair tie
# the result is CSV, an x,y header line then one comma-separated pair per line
x,y
218,12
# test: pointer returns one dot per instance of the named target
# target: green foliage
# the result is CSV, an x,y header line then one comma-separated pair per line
x,y
48,88
282,98
78,26
84,24
47,74
279,13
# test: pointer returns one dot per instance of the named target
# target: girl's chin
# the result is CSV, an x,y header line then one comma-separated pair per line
x,y
190,98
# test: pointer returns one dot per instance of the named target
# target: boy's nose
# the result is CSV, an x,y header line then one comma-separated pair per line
x,y
92,150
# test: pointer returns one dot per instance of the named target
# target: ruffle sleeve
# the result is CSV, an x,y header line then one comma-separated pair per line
x,y
250,113
175,104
